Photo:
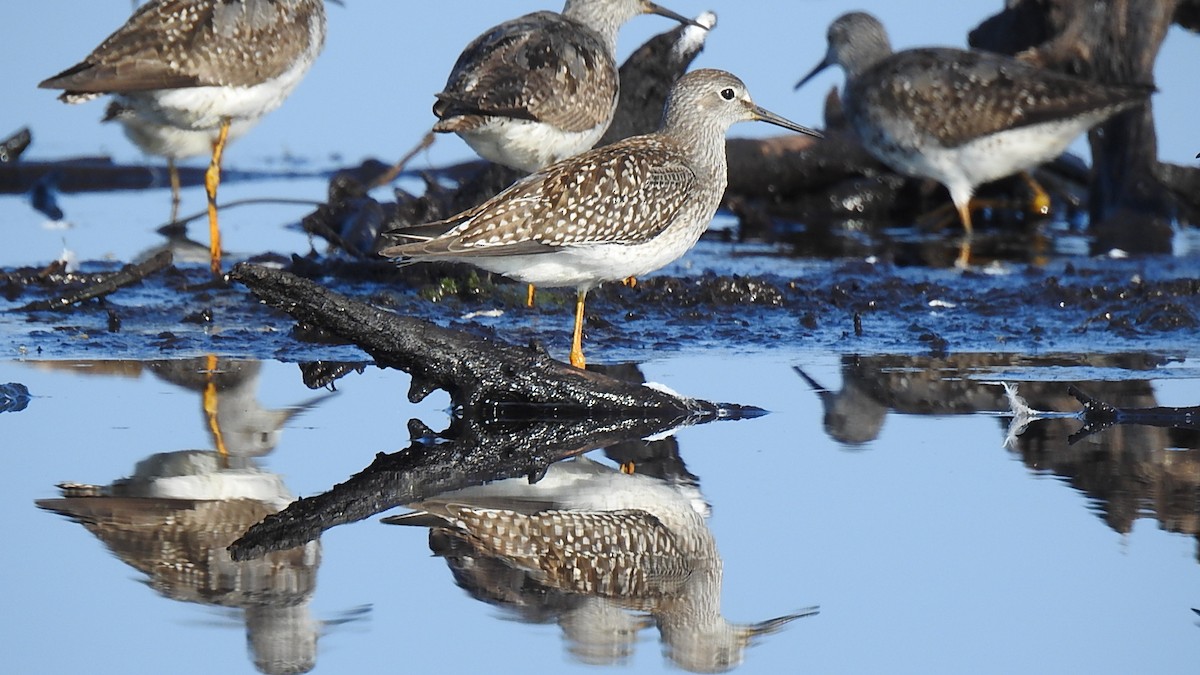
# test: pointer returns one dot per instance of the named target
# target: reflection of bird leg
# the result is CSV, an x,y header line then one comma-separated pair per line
x,y
173,175
212,179
630,282
211,405
577,336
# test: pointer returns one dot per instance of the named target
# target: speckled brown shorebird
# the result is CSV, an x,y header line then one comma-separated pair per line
x,y
542,87
611,213
962,118
182,71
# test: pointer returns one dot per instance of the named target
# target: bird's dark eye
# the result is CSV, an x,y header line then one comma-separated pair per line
x,y
727,93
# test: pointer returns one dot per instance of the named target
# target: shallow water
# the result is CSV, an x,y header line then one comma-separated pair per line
x,y
927,545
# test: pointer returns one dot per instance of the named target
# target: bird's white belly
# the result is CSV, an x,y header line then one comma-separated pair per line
x,y
174,143
981,160
528,145
203,108
586,266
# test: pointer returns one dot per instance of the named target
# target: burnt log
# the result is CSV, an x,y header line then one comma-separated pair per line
x,y
1099,415
482,376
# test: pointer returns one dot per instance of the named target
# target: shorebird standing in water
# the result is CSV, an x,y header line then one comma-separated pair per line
x,y
183,70
961,118
614,212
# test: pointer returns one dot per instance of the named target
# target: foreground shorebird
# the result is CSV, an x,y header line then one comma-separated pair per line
x,y
182,71
611,213
542,87
962,118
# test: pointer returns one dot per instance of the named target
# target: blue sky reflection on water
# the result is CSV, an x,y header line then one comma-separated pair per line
x,y
929,549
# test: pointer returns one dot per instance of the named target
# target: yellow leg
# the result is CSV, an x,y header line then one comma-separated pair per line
x,y
211,405
628,468
577,337
212,178
173,175
1040,202
529,293
630,282
964,250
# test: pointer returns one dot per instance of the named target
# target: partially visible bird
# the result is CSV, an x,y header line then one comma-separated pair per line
x,y
169,142
611,213
542,87
962,118
206,68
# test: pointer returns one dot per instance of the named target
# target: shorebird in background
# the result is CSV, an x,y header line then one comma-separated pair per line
x,y
187,71
961,118
542,87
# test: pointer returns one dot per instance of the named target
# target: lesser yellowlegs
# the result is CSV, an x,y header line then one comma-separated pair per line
x,y
208,67
542,87
962,118
611,213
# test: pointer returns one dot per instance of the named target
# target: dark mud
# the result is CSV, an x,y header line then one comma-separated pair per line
x,y
1085,306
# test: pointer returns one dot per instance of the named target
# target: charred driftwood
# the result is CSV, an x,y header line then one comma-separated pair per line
x,y
482,376
1130,204
12,147
1098,415
127,275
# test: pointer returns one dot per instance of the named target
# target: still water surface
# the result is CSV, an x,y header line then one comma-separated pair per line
x,y
927,545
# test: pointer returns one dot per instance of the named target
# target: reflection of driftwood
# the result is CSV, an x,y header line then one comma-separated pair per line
x,y
129,274
1098,416
1109,42
480,375
481,451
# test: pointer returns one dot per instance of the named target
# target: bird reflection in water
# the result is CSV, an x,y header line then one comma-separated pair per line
x,y
603,553
173,518
1129,472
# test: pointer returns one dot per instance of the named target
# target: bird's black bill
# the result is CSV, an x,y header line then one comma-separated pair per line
x,y
763,115
825,63
652,8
